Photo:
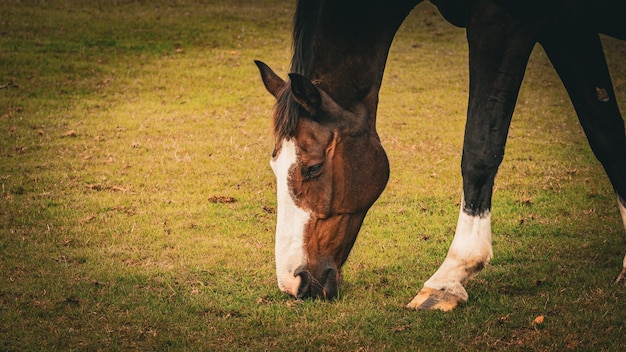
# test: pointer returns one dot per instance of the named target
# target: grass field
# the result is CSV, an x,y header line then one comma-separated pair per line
x,y
137,206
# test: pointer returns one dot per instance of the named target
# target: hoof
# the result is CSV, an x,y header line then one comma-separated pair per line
x,y
431,299
621,279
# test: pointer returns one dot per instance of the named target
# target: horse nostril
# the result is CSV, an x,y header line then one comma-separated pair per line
x,y
330,288
305,282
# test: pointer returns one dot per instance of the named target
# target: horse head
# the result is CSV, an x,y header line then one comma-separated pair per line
x,y
330,168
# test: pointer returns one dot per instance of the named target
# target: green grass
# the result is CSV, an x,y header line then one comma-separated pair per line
x,y
131,120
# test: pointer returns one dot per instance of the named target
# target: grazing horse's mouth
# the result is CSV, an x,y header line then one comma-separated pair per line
x,y
326,287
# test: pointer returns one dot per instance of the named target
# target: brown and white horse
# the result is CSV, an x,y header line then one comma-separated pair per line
x,y
330,166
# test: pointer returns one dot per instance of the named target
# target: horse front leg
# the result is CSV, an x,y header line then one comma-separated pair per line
x,y
499,49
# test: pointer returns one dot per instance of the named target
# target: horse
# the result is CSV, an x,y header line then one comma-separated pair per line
x,y
328,160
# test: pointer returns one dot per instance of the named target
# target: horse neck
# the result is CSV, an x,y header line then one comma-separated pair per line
x,y
348,48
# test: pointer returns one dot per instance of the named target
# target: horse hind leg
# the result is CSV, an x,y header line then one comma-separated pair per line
x,y
579,60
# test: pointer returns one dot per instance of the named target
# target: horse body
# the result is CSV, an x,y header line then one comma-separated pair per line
x,y
328,160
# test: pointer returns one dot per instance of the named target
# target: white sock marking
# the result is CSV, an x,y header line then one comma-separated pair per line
x,y
469,252
622,211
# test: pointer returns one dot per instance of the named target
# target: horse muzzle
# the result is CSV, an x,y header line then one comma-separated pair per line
x,y
324,285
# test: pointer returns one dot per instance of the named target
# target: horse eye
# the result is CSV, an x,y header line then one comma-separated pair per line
x,y
313,171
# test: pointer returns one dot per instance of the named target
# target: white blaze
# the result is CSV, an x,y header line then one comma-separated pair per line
x,y
469,252
290,223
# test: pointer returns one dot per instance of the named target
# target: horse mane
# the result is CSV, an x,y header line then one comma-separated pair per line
x,y
304,23
286,110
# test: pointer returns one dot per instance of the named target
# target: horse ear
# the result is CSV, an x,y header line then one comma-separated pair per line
x,y
305,93
272,82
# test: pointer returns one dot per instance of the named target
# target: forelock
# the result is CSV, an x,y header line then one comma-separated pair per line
x,y
286,112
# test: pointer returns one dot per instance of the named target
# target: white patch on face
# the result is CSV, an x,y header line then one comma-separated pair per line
x,y
469,252
290,224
